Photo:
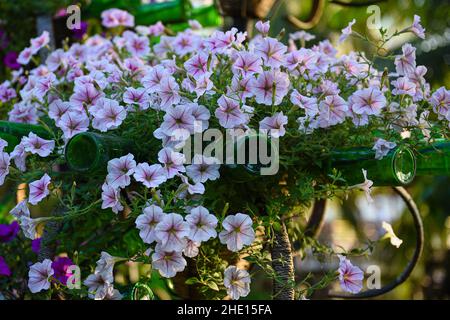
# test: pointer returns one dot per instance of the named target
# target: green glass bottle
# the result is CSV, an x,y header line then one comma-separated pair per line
x,y
434,159
173,11
12,132
397,168
89,152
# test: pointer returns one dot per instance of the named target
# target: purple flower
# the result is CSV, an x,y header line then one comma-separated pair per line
x,y
173,162
4,166
39,42
271,51
171,232
229,113
120,170
10,60
350,276
417,28
36,245
382,148
115,17
78,33
332,111
39,189
39,276
263,27
368,101
237,231
151,176
111,198
275,124
406,63
8,231
168,263
247,63
59,267
197,65
147,221
346,31
4,268
270,87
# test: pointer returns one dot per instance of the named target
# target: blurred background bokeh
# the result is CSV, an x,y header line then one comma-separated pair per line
x,y
348,224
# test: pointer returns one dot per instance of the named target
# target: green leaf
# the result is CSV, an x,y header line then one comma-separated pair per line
x,y
213,285
192,280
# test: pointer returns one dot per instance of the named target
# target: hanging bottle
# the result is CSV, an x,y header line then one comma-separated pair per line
x,y
397,168
89,152
434,159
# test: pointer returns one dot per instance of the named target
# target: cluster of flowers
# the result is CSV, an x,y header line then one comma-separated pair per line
x,y
195,82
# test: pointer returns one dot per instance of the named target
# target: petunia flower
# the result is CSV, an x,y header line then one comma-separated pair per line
x,y
60,266
365,186
150,176
332,110
152,80
247,63
172,161
98,285
237,282
108,114
368,101
188,188
382,148
191,250
138,46
20,210
440,101
72,123
4,268
137,96
25,56
178,118
5,161
147,221
229,113
39,276
9,231
203,168
58,108
271,51
406,63
395,241
40,42
112,18
168,263
120,170
417,28
346,31
263,27
111,198
202,224
37,145
350,276
171,232
309,104
39,189
238,232
275,124
169,92
85,96
270,87
197,65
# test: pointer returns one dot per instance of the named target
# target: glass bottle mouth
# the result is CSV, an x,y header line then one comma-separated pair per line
x,y
82,152
404,165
